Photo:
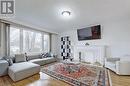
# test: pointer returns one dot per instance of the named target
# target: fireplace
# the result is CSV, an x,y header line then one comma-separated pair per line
x,y
90,54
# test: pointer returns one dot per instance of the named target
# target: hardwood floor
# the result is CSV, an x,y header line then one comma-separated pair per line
x,y
119,80
45,80
35,80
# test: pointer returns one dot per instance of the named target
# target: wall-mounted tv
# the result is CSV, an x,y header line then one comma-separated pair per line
x,y
89,33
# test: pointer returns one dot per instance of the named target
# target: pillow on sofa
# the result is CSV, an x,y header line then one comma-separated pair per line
x,y
20,58
47,55
8,59
40,55
44,55
30,57
50,55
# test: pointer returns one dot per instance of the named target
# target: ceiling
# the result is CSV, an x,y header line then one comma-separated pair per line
x,y
47,13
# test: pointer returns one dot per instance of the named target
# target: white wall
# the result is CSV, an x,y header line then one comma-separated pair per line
x,y
115,35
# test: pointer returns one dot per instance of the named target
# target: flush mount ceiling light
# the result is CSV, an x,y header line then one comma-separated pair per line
x,y
66,13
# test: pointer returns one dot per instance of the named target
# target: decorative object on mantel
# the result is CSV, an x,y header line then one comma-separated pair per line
x,y
65,47
87,44
79,56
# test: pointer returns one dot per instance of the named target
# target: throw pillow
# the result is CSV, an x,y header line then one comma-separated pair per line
x,y
9,60
20,58
47,55
13,58
50,54
31,57
40,56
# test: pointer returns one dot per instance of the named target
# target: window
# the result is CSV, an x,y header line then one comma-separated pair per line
x,y
46,43
24,40
37,43
32,41
14,40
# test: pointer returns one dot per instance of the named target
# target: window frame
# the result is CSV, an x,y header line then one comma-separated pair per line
x,y
21,38
10,39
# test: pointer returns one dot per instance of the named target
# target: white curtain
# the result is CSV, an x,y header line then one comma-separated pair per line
x,y
29,40
7,39
0,34
4,39
32,41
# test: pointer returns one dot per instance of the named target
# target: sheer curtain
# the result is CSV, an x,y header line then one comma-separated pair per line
x,y
46,43
16,39
32,41
4,38
25,40
7,39
0,33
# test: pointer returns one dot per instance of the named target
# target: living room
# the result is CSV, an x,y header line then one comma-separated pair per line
x,y
64,43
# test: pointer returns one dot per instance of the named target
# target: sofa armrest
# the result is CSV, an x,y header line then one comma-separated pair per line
x,y
112,59
3,67
123,67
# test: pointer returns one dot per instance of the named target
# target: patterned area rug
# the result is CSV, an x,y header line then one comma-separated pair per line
x,y
78,74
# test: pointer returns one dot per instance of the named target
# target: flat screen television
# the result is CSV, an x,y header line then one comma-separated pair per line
x,y
89,33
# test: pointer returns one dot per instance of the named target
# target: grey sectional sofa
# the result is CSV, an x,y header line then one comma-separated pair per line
x,y
37,59
20,70
43,61
3,67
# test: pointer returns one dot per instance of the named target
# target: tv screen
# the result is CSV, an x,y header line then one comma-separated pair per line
x,y
89,33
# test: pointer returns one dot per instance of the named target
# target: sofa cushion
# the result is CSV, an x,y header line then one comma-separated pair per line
x,y
22,70
8,59
30,57
38,61
50,60
20,58
125,58
43,61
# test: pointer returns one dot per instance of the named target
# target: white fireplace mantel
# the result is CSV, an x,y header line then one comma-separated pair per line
x,y
90,53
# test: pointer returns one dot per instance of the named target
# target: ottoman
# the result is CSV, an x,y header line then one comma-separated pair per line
x,y
19,71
